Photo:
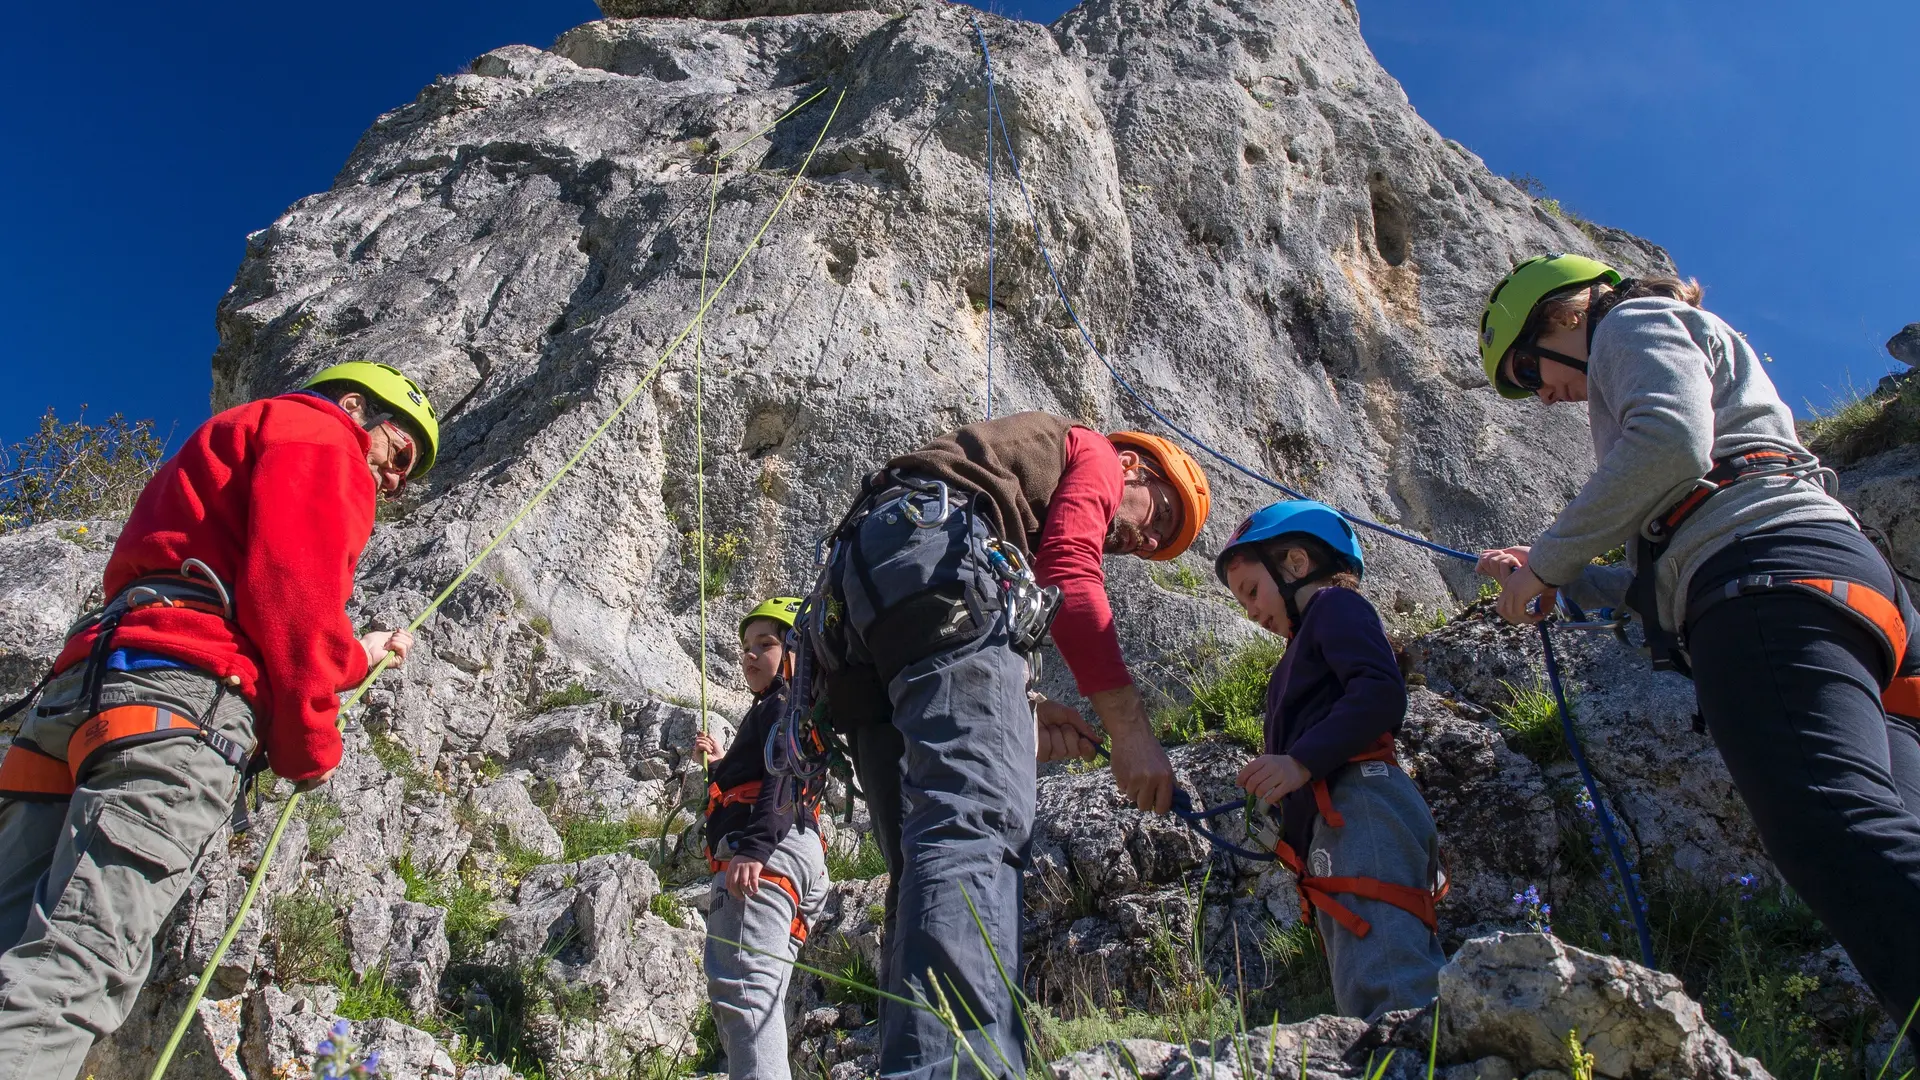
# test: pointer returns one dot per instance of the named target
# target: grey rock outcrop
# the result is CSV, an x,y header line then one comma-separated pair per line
x,y
1905,345
405,942
1508,1005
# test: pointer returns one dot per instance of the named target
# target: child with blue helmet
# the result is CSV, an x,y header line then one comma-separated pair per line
x,y
1370,876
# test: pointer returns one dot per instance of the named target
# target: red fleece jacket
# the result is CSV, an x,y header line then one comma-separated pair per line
x,y
1073,540
276,497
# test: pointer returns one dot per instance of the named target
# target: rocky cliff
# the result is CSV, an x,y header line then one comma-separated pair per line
x,y
1256,227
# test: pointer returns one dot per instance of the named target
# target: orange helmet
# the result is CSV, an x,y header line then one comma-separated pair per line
x,y
1180,471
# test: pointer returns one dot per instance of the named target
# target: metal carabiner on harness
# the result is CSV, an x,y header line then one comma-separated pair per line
x,y
937,490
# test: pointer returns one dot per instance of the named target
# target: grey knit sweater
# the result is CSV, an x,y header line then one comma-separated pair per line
x,y
1670,390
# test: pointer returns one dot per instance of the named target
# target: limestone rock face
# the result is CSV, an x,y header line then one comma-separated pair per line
x,y
1258,230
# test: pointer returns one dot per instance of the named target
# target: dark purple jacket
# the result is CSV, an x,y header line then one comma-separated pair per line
x,y
757,827
1335,692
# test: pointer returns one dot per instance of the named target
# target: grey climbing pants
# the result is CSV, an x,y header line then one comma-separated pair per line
x,y
1389,835
85,884
952,795
750,954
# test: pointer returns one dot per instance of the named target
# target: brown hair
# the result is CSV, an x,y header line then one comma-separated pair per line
x,y
1276,551
1562,307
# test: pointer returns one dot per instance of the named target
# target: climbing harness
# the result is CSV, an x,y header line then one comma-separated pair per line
x,y
191,1006
1900,694
1615,852
1665,649
29,772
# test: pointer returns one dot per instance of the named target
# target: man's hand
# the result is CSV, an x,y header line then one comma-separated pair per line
x,y
380,644
1272,777
1061,733
743,877
707,748
1518,590
1140,767
318,781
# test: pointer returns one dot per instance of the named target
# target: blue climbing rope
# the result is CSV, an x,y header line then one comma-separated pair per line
x,y
1628,879
1195,820
993,109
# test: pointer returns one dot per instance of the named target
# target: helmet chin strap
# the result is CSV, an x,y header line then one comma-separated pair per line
x,y
1289,588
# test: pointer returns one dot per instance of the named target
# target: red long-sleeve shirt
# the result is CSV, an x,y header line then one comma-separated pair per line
x,y
1072,542
275,496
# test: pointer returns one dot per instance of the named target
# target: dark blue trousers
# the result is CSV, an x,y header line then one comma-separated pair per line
x,y
949,778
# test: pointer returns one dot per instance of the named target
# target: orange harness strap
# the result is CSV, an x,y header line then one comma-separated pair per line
x,y
1901,695
798,928
28,774
1317,892
738,793
143,723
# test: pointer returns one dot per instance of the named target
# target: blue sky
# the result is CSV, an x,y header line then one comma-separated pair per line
x,y
1774,148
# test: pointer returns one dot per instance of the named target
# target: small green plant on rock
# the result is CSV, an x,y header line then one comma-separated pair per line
x,y
1856,425
1228,694
574,693
324,824
1178,577
1531,721
864,862
307,943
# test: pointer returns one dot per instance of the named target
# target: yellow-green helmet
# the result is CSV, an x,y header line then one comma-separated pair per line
x,y
1513,300
781,609
401,395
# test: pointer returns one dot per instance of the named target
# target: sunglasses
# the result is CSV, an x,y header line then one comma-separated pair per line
x,y
1523,369
1165,523
404,451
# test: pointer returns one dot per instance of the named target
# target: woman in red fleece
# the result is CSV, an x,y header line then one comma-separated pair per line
x,y
225,634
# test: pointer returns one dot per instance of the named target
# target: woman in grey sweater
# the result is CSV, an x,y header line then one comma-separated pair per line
x,y
1742,568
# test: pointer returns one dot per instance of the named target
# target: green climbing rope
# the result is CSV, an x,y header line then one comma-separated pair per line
x,y
286,813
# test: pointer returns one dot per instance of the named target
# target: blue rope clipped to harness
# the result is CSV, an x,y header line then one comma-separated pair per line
x,y
1196,819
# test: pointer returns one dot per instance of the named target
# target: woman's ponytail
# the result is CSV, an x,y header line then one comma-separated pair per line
x,y
1599,299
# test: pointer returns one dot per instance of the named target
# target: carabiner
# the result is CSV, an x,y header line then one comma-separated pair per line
x,y
937,490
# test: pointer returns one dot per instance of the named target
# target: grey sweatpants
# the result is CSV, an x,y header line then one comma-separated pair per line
x,y
85,885
748,986
1389,835
949,778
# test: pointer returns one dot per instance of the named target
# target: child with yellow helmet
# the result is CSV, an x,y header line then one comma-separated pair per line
x,y
769,865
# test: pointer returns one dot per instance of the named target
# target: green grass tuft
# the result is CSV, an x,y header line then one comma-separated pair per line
x,y
573,694
586,837
307,942
324,824
865,862
1177,577
1531,721
468,902
1228,694
668,909
1856,425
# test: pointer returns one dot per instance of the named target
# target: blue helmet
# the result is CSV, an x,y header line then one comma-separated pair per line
x,y
1296,516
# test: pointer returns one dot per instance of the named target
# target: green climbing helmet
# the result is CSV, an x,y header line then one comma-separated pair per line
x,y
1513,300
402,397
781,609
